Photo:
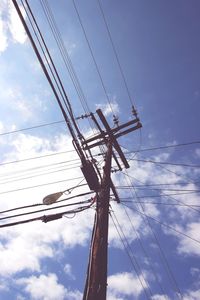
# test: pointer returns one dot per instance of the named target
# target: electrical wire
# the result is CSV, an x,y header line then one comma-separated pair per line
x,y
162,147
67,61
64,54
163,194
42,204
47,218
165,225
45,209
165,163
126,199
39,185
162,255
115,52
92,55
159,189
130,256
144,251
30,128
133,151
37,157
41,174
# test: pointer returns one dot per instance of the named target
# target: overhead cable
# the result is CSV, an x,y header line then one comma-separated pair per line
x,y
38,185
165,225
162,147
93,57
47,218
115,52
32,127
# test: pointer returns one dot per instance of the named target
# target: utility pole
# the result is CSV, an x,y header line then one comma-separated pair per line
x,y
96,281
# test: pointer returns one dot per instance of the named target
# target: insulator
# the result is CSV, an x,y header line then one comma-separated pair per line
x,y
83,117
134,111
116,120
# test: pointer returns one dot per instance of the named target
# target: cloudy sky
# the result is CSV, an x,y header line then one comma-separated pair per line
x,y
115,53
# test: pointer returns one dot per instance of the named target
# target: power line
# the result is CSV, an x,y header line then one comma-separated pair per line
x,y
42,210
47,218
115,52
39,185
159,189
144,251
133,151
162,147
37,157
165,163
92,54
165,225
42,204
126,199
163,194
63,51
129,254
30,128
40,174
163,257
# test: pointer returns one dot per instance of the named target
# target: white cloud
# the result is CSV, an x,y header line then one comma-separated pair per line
x,y
68,271
160,297
192,295
15,25
37,288
186,245
109,108
3,35
11,29
3,285
124,284
126,227
24,247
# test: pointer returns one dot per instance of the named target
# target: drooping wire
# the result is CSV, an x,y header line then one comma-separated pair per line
x,y
162,147
40,174
164,260
93,57
63,51
45,209
47,218
130,254
39,185
42,204
37,157
115,52
164,194
130,200
30,128
144,251
46,72
164,224
67,61
165,163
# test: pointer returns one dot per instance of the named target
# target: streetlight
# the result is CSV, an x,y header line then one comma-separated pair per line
x,y
52,198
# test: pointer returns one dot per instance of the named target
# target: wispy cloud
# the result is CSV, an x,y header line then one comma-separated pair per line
x,y
11,29
124,284
36,287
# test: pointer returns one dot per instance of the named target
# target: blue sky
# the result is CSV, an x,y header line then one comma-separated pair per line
x,y
158,47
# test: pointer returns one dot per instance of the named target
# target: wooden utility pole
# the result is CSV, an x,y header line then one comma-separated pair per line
x,y
96,282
